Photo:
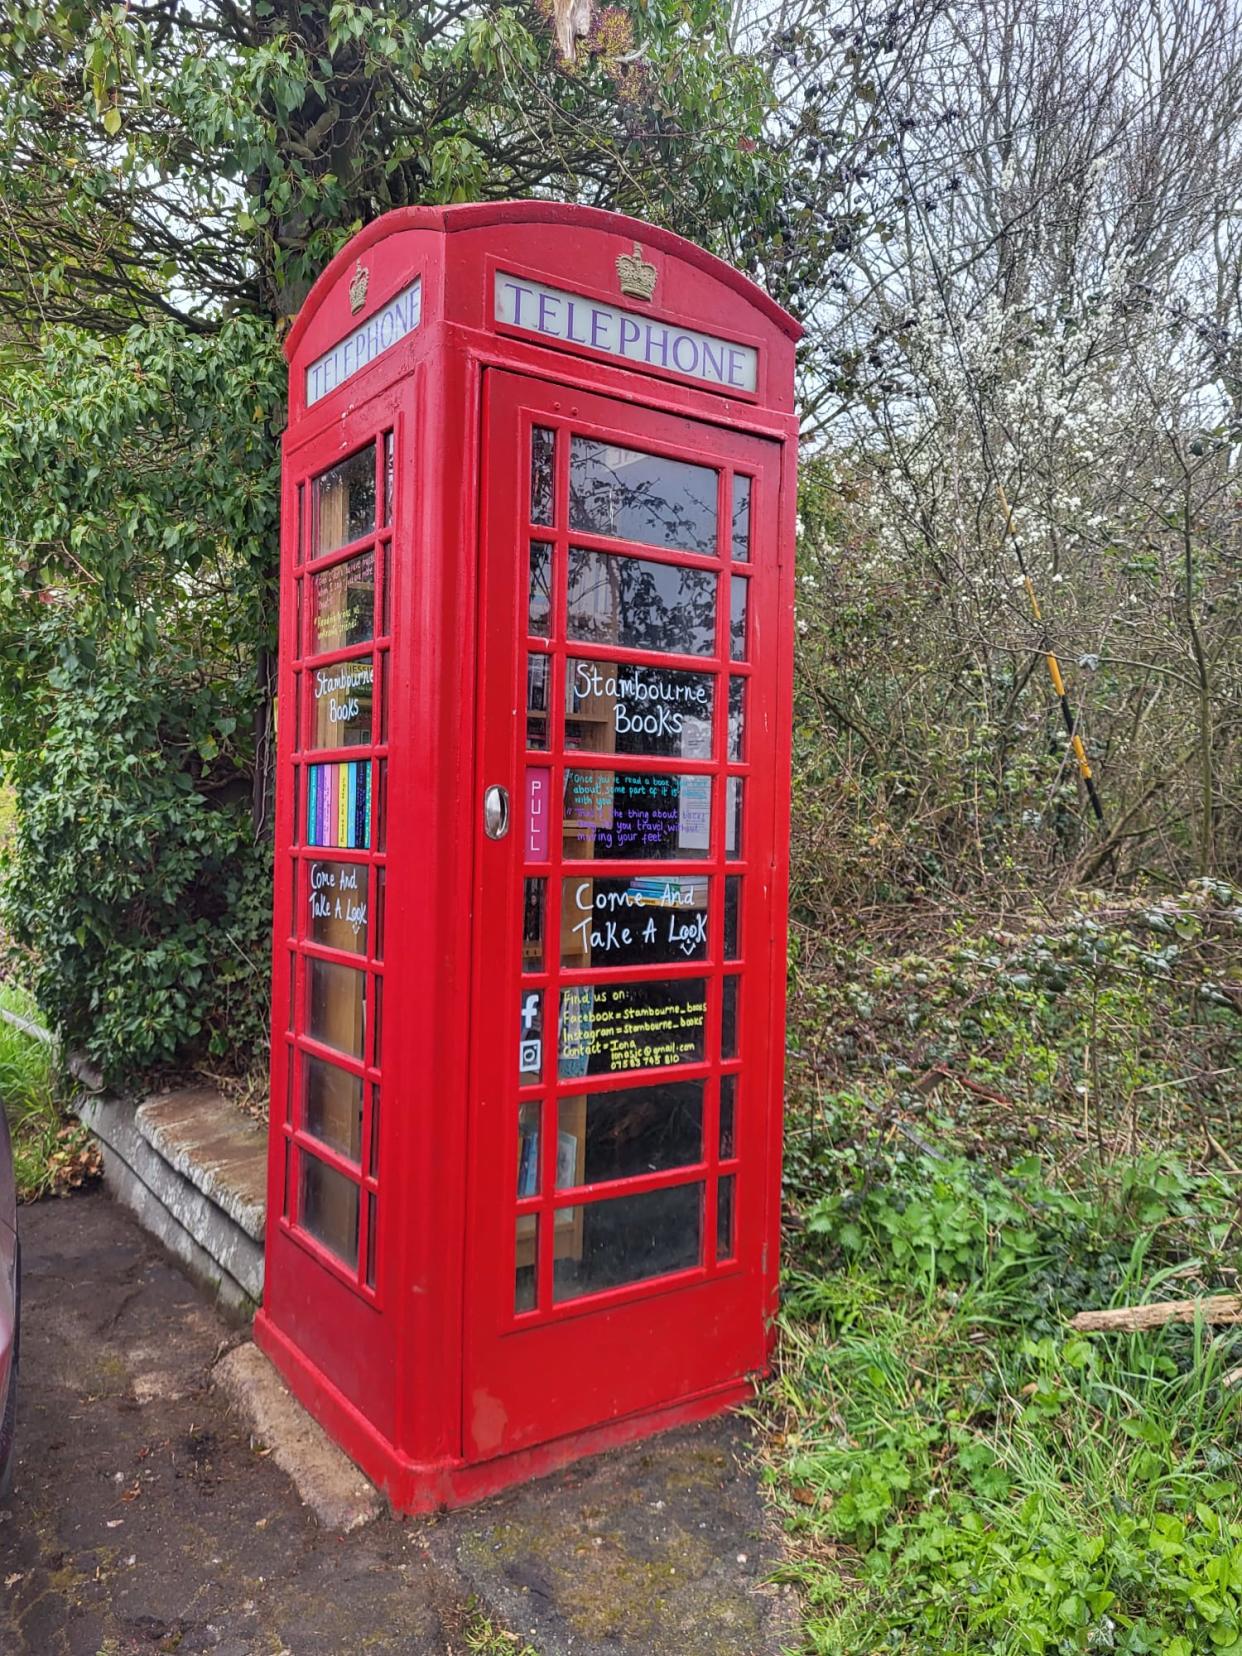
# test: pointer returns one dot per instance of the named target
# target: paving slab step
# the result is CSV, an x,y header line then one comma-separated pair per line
x,y
191,1169
215,1147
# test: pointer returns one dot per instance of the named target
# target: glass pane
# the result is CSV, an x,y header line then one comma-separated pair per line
x,y
381,881
539,597
341,709
641,497
343,604
660,712
338,905
734,793
737,719
532,925
732,908
338,805
530,1054
724,1217
618,1135
728,1093
388,478
636,921
528,1150
630,1239
538,677
384,659
609,1027
381,823
641,605
386,594
570,1167
612,814
370,1241
333,1106
527,1250
728,1017
377,990
298,649
737,617
336,997
542,474
741,518
328,1207
375,1132
345,502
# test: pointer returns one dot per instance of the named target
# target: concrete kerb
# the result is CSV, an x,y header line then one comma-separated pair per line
x,y
325,1479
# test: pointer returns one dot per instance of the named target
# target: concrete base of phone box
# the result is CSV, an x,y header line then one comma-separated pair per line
x,y
413,1487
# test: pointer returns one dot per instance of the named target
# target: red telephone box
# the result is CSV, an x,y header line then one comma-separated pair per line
x,y
532,842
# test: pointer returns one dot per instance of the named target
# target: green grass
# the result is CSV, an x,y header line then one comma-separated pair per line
x,y
483,1638
52,1153
959,1471
995,1123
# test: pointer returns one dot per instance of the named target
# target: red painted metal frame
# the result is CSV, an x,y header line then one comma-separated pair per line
x,y
413,1373
523,1367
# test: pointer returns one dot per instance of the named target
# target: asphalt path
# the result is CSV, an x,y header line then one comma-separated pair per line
x,y
142,1518
145,1519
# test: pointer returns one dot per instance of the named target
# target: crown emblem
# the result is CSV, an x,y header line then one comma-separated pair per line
x,y
638,276
358,287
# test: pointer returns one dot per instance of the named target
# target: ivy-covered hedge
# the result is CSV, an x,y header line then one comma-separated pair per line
x,y
138,511
142,906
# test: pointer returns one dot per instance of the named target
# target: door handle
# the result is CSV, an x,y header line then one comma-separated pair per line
x,y
496,811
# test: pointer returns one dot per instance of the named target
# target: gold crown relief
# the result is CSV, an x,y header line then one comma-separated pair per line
x,y
638,275
358,287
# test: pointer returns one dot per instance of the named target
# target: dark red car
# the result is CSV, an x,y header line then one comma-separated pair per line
x,y
10,1296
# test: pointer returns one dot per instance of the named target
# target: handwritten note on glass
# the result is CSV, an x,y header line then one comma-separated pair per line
x,y
615,814
607,1027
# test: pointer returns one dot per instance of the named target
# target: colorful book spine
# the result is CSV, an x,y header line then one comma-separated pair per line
x,y
338,804
528,1165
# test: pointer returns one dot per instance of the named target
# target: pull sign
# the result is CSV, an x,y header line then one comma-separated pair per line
x,y
639,340
399,317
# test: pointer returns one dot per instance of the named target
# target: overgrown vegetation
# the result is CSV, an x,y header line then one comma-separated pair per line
x,y
136,623
1019,1119
52,1153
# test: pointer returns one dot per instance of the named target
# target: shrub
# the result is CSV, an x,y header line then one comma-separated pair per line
x,y
138,477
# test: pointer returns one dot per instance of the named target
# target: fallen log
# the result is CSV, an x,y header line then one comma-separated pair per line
x,y
1133,1319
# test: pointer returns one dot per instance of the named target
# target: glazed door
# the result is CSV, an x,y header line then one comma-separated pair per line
x,y
623,984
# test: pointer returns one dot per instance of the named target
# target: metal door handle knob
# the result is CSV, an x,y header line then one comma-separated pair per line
x,y
496,811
